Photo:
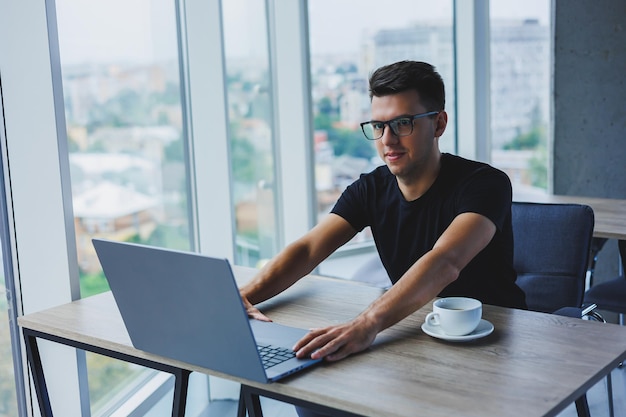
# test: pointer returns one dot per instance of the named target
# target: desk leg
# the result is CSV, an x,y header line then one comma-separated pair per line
x,y
181,376
241,408
180,392
34,359
250,402
582,407
609,389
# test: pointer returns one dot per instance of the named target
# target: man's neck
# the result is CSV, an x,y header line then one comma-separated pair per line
x,y
416,186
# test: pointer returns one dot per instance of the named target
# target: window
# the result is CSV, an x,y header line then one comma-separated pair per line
x,y
348,40
8,399
10,353
520,92
121,85
346,45
126,137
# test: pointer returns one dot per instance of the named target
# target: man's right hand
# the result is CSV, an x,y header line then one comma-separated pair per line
x,y
254,312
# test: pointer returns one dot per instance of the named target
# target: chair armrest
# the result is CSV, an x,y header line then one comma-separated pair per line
x,y
578,312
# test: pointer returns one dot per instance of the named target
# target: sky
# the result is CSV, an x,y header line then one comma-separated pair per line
x,y
144,30
113,30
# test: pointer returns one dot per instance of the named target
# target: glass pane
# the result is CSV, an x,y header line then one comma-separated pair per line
x,y
520,92
347,42
8,399
124,119
11,364
251,135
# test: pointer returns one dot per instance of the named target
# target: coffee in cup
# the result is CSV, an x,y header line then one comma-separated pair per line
x,y
456,316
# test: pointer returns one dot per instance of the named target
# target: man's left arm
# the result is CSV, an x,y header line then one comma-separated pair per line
x,y
467,235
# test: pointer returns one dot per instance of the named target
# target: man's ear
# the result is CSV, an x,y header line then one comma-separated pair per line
x,y
442,122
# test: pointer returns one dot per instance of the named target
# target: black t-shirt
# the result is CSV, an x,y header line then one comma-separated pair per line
x,y
405,230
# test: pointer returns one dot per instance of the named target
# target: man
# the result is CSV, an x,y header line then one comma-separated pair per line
x,y
441,224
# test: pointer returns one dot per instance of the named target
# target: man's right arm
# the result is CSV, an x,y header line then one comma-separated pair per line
x,y
295,261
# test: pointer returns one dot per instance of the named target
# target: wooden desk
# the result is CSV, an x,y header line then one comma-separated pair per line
x,y
610,214
534,364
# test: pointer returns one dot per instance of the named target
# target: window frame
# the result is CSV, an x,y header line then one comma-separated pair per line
x,y
204,79
12,293
41,245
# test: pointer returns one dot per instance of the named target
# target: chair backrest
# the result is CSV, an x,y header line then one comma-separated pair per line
x,y
551,252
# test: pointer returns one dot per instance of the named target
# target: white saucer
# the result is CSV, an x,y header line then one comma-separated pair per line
x,y
484,328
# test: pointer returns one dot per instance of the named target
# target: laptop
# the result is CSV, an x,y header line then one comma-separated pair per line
x,y
187,306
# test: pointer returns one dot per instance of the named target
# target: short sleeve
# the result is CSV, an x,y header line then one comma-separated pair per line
x,y
487,192
352,205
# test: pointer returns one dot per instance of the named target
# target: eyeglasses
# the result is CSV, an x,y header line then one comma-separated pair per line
x,y
400,126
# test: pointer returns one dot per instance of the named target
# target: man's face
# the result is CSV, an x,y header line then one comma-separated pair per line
x,y
408,157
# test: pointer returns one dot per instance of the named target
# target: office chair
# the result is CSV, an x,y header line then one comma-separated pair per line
x,y
552,243
551,251
611,295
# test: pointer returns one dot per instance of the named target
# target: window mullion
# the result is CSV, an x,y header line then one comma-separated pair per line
x,y
208,132
291,81
43,227
473,78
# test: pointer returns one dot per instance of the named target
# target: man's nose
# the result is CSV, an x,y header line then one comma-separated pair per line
x,y
389,137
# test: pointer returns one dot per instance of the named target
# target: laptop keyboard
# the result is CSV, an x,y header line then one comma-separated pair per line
x,y
273,355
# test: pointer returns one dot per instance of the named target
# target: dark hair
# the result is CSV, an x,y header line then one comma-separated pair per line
x,y
410,75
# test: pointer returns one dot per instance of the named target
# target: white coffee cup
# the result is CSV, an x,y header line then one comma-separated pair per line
x,y
456,316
